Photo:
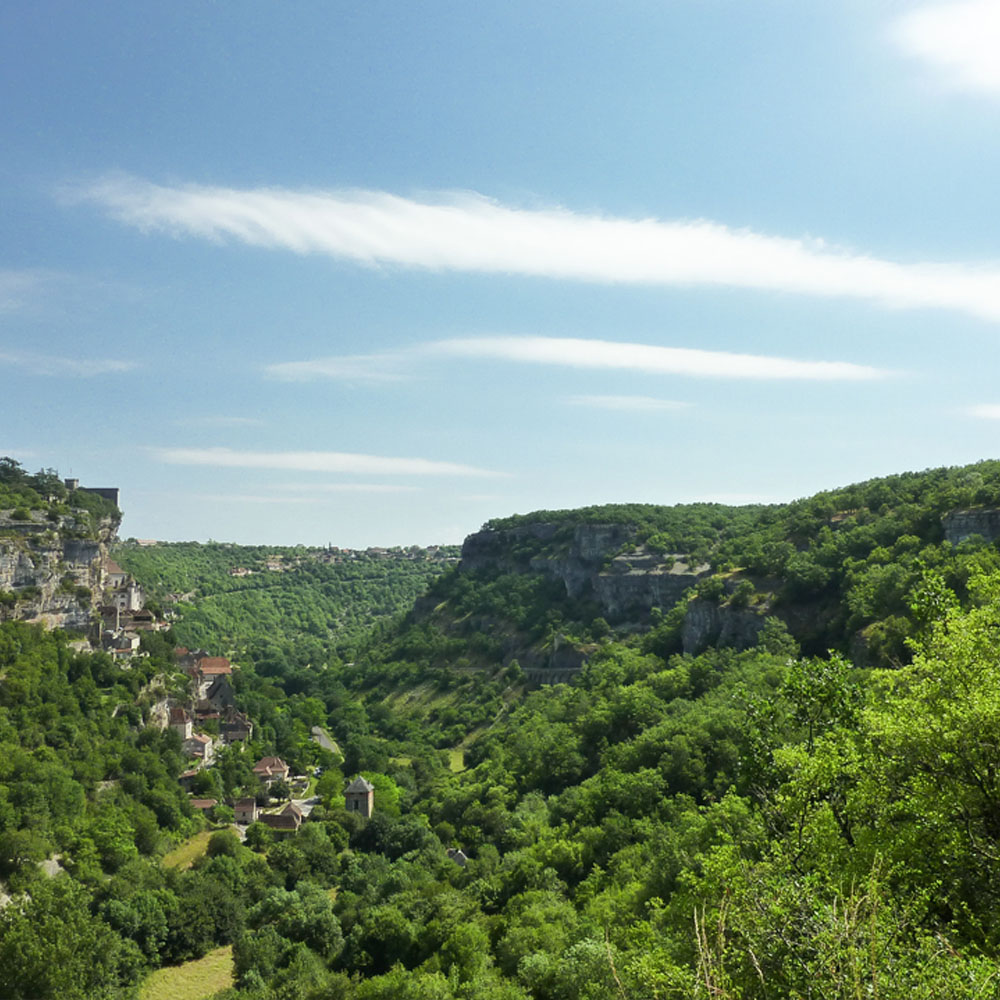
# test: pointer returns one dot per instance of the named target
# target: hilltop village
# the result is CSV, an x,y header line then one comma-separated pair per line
x,y
205,716
56,571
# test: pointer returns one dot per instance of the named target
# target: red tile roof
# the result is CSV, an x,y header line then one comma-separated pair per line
x,y
270,765
214,665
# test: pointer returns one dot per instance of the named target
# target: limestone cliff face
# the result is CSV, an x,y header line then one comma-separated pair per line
x,y
962,524
709,624
589,561
44,566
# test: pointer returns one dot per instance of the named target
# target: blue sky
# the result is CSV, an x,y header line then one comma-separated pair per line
x,y
375,273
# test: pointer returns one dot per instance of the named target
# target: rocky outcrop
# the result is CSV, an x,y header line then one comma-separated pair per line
x,y
709,624
962,524
50,574
589,561
634,584
502,549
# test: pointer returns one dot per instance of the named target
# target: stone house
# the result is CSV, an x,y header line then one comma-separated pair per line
x,y
271,769
206,671
234,726
114,575
129,596
360,797
286,821
245,811
220,694
199,746
180,722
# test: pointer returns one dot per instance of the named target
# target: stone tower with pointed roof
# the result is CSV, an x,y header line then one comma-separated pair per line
x,y
360,797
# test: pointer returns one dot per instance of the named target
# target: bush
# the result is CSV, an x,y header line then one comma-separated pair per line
x,y
742,595
223,842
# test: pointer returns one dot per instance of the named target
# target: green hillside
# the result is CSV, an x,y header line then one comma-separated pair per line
x,y
746,820
292,603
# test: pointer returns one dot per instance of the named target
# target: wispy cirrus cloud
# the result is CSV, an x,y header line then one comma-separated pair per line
x,y
44,364
367,368
579,352
958,41
627,404
316,461
984,411
608,355
304,493
19,286
348,488
466,232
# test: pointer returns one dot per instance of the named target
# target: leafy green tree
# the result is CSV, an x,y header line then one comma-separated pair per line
x,y
53,948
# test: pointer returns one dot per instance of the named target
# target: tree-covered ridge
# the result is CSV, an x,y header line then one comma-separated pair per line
x,y
838,567
285,602
697,529
43,497
908,503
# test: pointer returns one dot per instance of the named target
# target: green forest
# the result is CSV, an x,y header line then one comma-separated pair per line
x,y
316,603
815,815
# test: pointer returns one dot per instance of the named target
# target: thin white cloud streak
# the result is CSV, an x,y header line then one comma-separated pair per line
x,y
40,364
650,359
958,41
469,233
577,352
254,499
374,368
349,488
316,461
18,285
627,404
985,411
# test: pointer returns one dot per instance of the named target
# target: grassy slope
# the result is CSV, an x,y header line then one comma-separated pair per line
x,y
186,854
195,980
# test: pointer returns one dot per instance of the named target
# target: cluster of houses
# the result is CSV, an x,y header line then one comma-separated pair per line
x,y
123,612
358,798
333,555
212,698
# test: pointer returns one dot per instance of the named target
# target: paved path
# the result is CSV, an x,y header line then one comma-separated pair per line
x,y
322,737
